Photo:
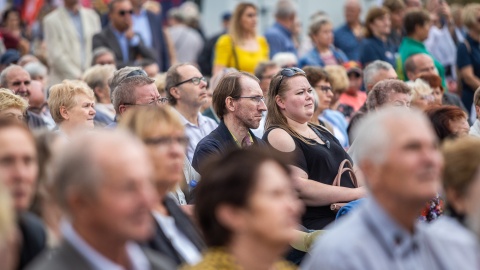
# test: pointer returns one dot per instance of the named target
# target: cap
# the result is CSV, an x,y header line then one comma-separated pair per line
x,y
10,56
352,66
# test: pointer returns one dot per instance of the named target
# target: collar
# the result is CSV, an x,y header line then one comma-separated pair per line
x,y
201,119
414,42
396,241
135,254
71,13
116,32
282,29
142,13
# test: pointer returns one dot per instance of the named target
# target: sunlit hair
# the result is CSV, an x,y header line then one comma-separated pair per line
x,y
9,100
144,121
7,217
64,95
338,78
441,118
469,16
419,88
236,30
99,76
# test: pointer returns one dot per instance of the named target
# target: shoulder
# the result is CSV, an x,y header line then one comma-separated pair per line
x,y
223,39
54,15
262,40
158,261
280,140
62,257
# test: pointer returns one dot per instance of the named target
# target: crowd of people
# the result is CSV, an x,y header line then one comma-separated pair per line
x,y
131,141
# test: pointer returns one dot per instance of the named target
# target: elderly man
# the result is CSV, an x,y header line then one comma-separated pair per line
x,y
18,80
239,103
279,35
402,170
18,170
107,200
103,56
348,37
131,87
187,91
97,78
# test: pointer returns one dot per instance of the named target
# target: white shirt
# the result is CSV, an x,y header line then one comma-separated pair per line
x,y
179,241
196,133
440,44
475,129
106,109
261,128
135,254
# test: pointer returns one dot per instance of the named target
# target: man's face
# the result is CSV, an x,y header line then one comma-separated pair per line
x,y
248,110
151,70
411,171
37,96
267,78
18,80
352,12
382,75
105,59
424,65
18,165
189,93
121,15
413,4
123,200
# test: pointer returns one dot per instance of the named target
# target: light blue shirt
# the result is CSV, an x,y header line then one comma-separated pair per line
x,y
77,23
368,238
125,43
135,254
141,25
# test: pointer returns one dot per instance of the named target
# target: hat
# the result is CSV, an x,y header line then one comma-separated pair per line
x,y
10,56
226,16
352,66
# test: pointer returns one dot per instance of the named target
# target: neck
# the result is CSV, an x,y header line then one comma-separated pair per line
x,y
66,128
159,207
137,9
189,112
315,116
405,216
51,215
238,129
353,24
323,48
249,253
381,37
415,37
474,35
297,126
111,248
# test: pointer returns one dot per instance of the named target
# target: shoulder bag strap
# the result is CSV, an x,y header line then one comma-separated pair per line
x,y
234,53
341,170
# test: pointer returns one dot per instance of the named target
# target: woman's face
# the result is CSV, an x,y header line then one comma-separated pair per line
x,y
438,95
459,128
167,152
273,210
325,95
381,26
397,18
324,36
297,102
82,113
249,19
13,19
12,113
423,101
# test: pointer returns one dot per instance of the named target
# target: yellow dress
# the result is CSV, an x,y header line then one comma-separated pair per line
x,y
218,259
247,60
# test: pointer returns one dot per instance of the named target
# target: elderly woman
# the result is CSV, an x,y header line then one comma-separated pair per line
x,y
164,136
323,53
422,94
461,183
72,106
11,105
241,47
97,78
249,213
315,153
448,122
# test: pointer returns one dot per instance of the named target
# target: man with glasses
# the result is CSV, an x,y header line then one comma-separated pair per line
x,y
239,103
133,89
187,91
120,37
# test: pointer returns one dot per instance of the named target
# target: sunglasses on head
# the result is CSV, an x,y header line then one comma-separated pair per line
x,y
124,12
288,72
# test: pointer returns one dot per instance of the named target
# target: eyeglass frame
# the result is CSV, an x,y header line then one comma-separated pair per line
x,y
200,79
257,99
167,141
160,100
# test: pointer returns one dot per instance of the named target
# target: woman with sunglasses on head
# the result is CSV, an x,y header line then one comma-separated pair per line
x,y
241,48
164,137
316,153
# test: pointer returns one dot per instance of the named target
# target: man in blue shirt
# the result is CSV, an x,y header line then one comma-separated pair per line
x,y
279,36
349,36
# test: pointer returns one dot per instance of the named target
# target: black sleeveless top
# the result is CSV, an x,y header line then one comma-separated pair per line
x,y
321,164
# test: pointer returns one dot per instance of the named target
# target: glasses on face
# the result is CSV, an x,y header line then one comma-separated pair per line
x,y
324,88
167,141
257,99
125,12
288,72
194,80
157,101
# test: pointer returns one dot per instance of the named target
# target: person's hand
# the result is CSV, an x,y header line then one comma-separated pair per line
x,y
444,10
129,34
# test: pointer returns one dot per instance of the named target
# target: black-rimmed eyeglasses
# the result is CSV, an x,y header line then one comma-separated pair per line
x,y
164,141
256,99
288,72
194,80
158,101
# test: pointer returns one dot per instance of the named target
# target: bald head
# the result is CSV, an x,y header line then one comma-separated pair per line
x,y
353,8
418,65
16,79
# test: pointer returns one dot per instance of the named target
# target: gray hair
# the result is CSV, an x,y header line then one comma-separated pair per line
x,y
126,91
36,69
284,58
99,52
373,68
98,75
173,78
262,67
78,168
285,8
119,76
5,72
372,135
380,93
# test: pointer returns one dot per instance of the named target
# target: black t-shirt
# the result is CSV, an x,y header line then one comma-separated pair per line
x,y
321,164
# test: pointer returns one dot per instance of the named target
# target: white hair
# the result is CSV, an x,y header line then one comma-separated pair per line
x,y
372,69
419,88
285,9
285,58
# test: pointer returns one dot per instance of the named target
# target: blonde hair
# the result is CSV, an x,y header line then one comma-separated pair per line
x,y
10,100
317,23
469,16
142,122
7,215
236,30
63,95
419,88
338,78
160,83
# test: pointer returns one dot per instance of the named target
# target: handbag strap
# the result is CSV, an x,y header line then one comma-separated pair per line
x,y
235,57
341,170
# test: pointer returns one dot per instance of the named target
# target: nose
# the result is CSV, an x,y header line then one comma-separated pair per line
x,y
92,111
262,106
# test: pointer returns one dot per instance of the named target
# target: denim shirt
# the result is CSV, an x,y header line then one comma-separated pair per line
x,y
279,39
313,58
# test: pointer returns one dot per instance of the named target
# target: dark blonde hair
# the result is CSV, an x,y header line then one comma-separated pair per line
x,y
372,15
236,30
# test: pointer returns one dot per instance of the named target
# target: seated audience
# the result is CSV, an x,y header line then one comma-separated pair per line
x,y
449,122
285,59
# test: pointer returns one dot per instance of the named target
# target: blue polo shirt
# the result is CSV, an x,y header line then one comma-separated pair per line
x,y
375,49
279,39
468,57
346,41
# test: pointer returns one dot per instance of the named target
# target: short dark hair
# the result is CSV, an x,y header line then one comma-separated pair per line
x,y
224,182
229,86
414,18
172,79
112,3
394,5
440,117
316,74
373,14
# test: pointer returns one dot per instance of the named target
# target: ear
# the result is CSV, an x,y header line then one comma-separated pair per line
x,y
477,110
99,92
78,203
64,113
174,92
456,200
122,109
230,104
280,102
231,217
410,75
368,171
